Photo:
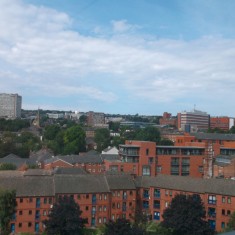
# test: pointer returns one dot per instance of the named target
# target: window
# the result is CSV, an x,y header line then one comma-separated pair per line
x,y
130,204
104,219
145,204
30,212
78,197
156,215
100,220
118,205
146,171
105,196
21,200
211,199
87,196
30,199
105,208
159,169
223,199
147,152
100,197
200,169
72,196
157,193
45,200
113,205
87,208
44,213
20,225
131,193
100,208
29,224
166,192
223,211
150,160
113,217
171,193
20,213
156,204
50,200
223,225
228,212
229,200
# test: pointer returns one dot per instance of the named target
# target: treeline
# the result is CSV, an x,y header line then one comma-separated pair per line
x,y
13,125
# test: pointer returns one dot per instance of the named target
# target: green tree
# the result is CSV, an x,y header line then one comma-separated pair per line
x,y
74,140
186,216
232,130
102,138
7,210
83,120
65,218
122,227
231,223
7,166
166,142
51,131
149,133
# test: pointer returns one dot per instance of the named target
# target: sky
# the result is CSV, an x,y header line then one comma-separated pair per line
x,y
119,57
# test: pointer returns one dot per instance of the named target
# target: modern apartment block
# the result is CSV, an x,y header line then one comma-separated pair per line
x,y
193,121
10,105
109,197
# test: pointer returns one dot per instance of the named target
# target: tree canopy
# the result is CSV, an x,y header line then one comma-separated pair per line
x,y
102,138
149,133
186,216
65,218
7,209
122,227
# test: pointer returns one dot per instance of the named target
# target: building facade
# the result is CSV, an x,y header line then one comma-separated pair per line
x,y
223,123
193,121
109,197
10,105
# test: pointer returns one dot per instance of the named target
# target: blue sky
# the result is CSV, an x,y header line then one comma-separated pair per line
x,y
125,56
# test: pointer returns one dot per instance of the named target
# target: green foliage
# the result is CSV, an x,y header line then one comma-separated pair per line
x,y
74,140
114,126
83,119
186,216
102,138
7,166
116,140
166,142
13,125
122,227
231,223
7,209
232,130
51,131
149,133
65,218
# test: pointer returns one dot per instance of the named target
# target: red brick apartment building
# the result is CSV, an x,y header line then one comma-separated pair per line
x,y
105,197
101,198
143,158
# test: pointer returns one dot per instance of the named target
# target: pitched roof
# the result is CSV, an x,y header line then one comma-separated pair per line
x,y
28,186
214,136
188,184
15,160
80,184
69,171
120,182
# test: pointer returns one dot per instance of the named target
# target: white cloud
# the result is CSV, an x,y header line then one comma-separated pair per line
x,y
40,51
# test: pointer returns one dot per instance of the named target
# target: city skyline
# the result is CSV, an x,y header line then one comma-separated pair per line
x,y
124,57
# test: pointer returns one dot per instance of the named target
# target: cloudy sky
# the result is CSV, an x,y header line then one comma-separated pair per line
x,y
125,56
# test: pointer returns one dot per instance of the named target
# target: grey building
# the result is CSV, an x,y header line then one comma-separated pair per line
x,y
10,105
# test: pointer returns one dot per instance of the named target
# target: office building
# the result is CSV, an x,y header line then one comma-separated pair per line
x,y
193,121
